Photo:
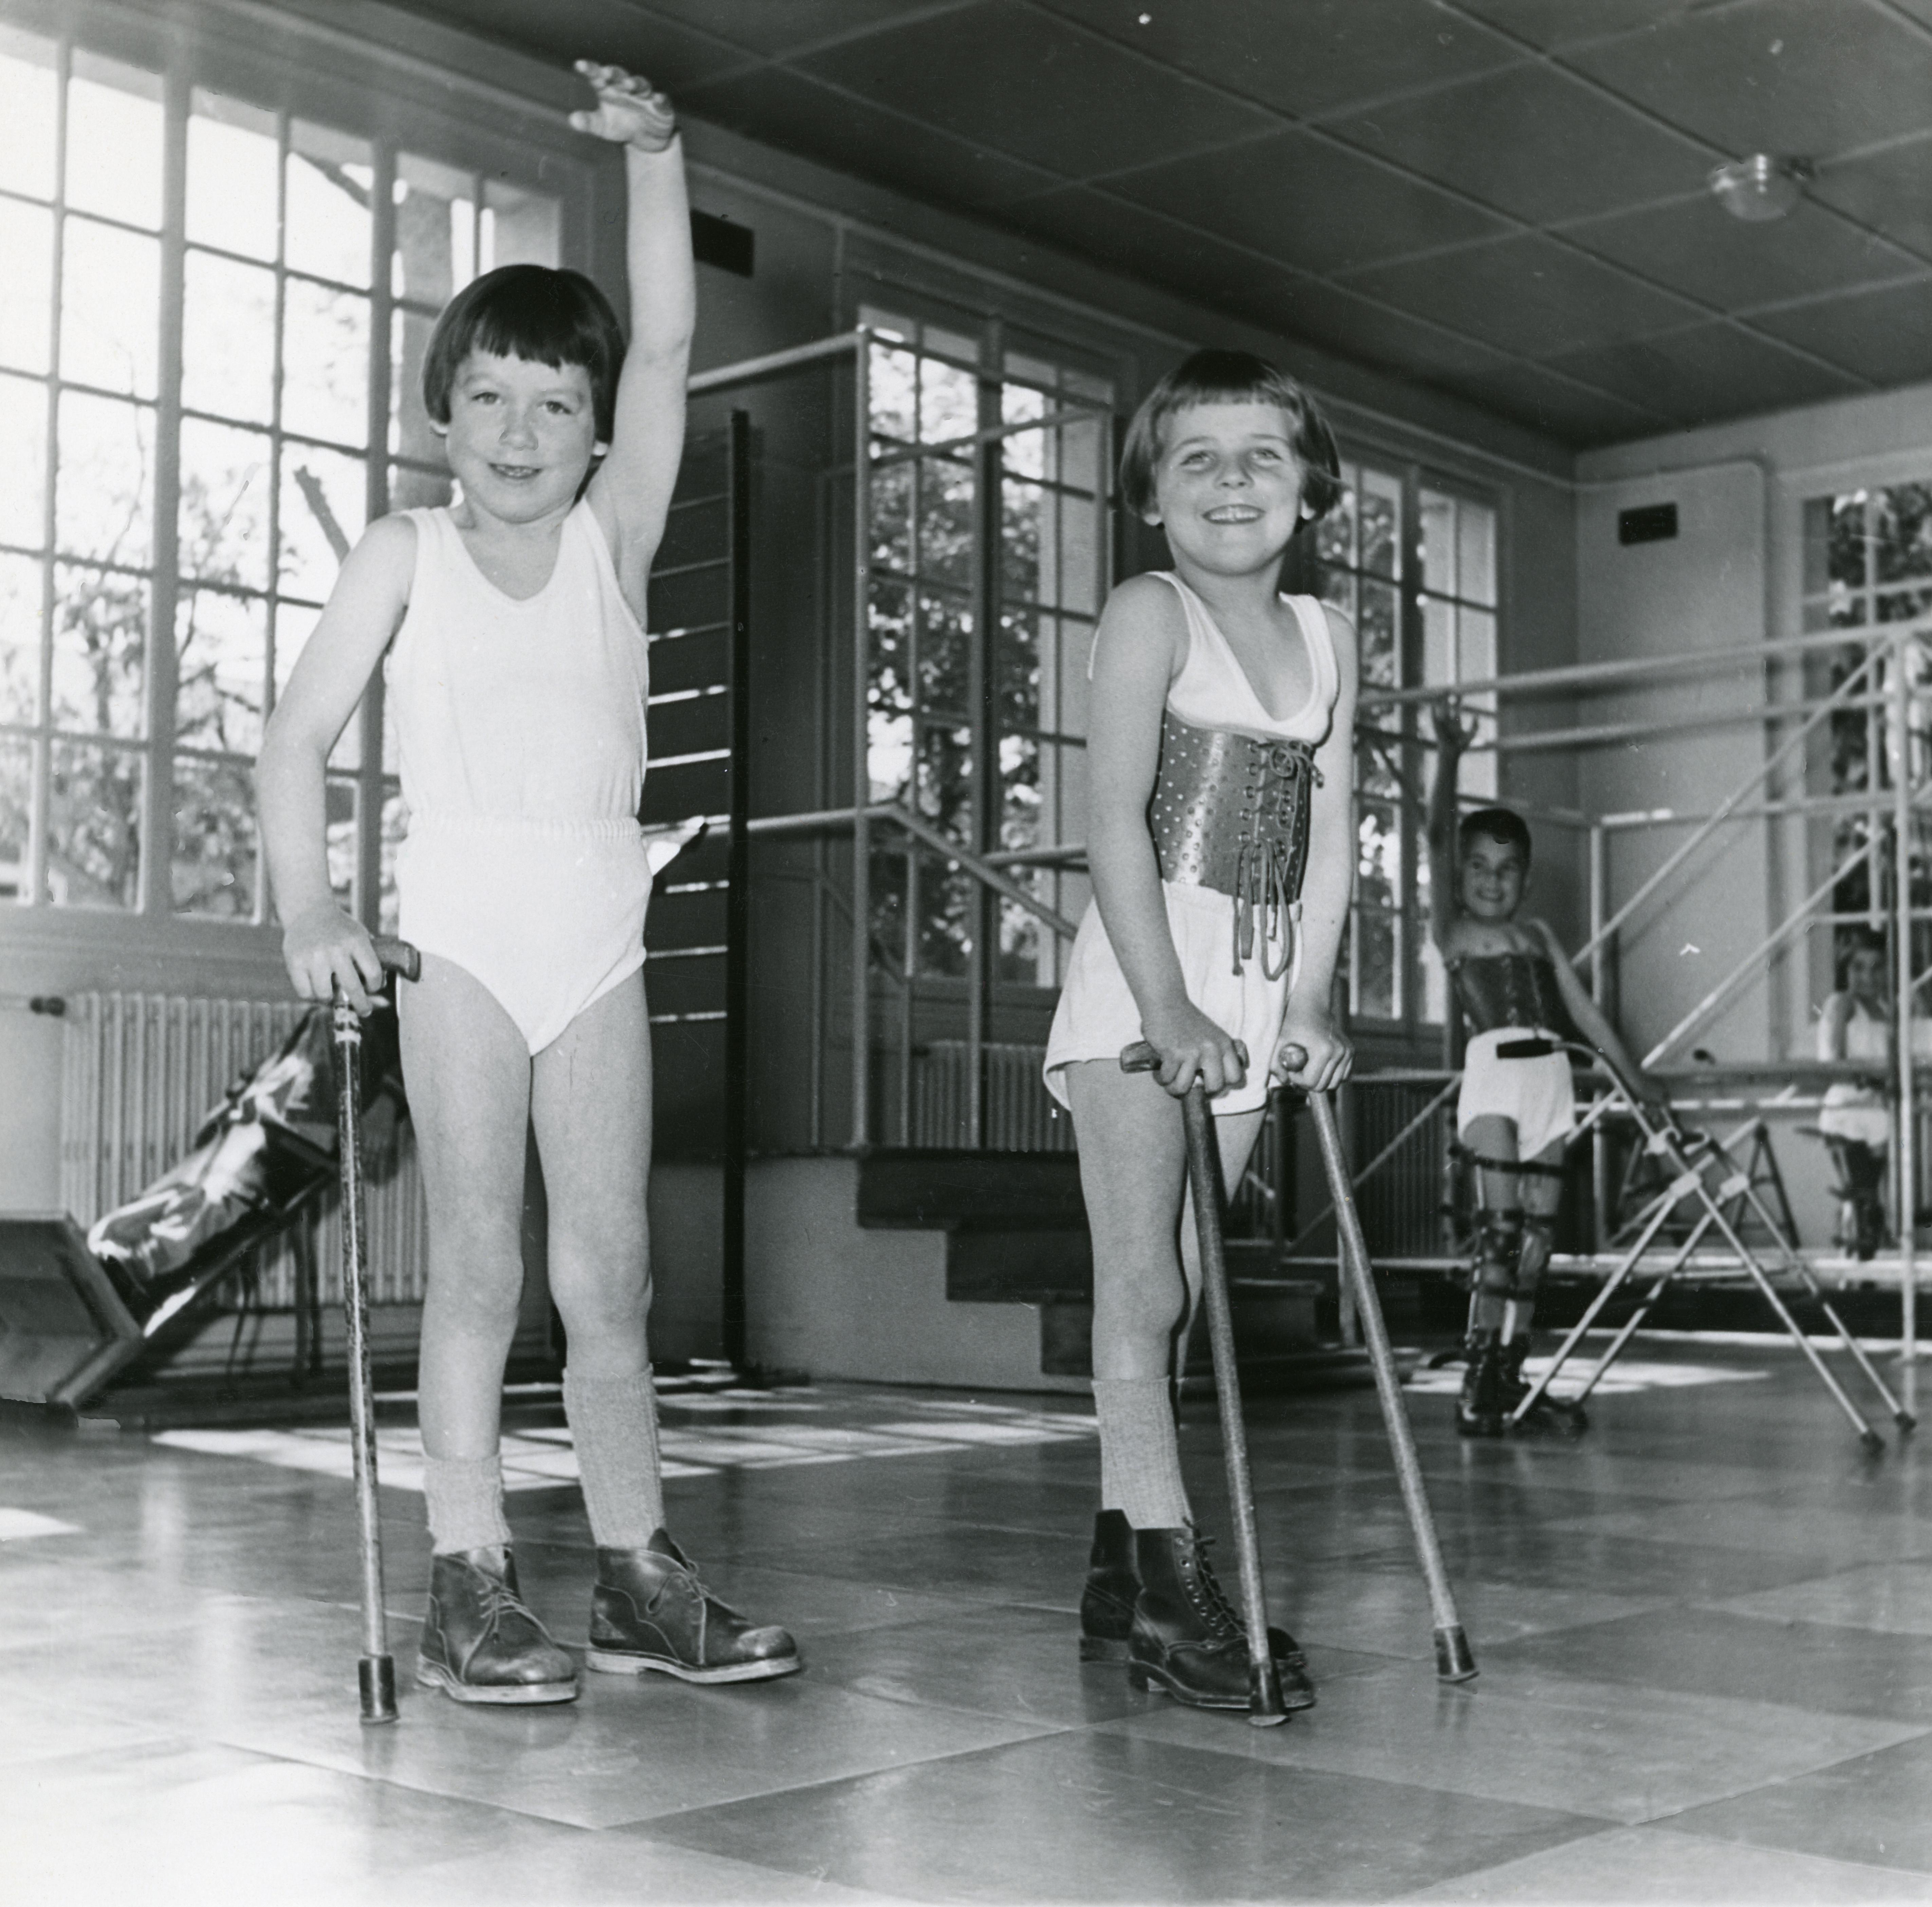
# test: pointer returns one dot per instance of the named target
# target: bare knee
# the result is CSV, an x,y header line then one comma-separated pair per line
x,y
479,1293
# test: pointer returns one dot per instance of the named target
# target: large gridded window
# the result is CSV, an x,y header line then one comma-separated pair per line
x,y
1414,563
204,403
1868,563
989,524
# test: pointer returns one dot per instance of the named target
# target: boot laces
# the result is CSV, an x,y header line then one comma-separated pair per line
x,y
498,1599
1213,1597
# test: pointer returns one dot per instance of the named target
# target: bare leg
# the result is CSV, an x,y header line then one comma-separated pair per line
x,y
591,1102
469,1073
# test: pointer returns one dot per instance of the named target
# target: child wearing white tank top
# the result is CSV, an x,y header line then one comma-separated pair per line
x,y
512,629
1193,672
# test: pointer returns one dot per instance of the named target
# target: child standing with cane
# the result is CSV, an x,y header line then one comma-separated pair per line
x,y
510,628
1219,754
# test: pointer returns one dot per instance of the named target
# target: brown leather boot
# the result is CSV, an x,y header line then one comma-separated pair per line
x,y
481,1643
650,1611
1479,1410
1114,1587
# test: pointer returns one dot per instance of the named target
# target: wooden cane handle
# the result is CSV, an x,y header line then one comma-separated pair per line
x,y
1293,1058
398,957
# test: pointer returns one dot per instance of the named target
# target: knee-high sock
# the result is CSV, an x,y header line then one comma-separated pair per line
x,y
613,1421
1140,1462
464,1497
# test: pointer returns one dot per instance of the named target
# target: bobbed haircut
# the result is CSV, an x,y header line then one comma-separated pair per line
x,y
1231,377
1853,941
534,313
1503,826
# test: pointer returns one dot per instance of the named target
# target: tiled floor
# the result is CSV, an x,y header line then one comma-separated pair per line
x,y
1705,1630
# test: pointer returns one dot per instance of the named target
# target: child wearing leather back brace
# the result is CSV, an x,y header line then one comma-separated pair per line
x,y
1219,754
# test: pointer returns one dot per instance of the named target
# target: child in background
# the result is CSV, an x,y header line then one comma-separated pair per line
x,y
1856,1024
1220,758
510,628
1520,997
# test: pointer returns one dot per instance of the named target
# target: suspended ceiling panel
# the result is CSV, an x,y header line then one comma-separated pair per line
x,y
1504,199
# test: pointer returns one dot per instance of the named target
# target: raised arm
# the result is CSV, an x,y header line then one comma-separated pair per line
x,y
1328,884
321,944
631,491
1453,735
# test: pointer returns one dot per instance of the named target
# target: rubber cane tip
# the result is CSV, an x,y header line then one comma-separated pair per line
x,y
375,1679
1266,1709
1873,1442
1256,1720
1905,1420
1455,1661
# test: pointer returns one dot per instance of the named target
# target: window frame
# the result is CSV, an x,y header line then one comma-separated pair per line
x,y
296,70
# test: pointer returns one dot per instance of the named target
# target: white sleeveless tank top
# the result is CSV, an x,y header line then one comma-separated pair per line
x,y
1213,690
510,710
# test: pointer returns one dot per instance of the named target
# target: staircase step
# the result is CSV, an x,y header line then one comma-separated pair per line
x,y
1015,1191
989,1265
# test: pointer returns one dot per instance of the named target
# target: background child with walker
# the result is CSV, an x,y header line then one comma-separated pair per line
x,y
511,628
1219,756
1521,1000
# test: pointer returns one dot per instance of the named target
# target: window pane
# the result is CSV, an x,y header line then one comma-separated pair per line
x,y
224,505
1372,944
1439,542
1439,643
946,491
949,401
329,177
435,230
231,176
1335,534
324,498
892,516
228,339
520,227
1016,670
945,652
17,786
1380,509
339,830
93,826
23,470
1476,557
1375,633
27,89
114,141
410,432
326,364
221,668
895,393
1901,520
21,588
1023,508
1475,645
110,308
100,652
103,495
214,868
27,244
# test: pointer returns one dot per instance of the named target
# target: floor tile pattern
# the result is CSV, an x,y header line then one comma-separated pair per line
x,y
1704,1629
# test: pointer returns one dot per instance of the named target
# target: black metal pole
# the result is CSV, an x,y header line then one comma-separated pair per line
x,y
738,895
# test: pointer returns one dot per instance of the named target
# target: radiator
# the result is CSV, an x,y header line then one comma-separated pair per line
x,y
140,1073
1020,1115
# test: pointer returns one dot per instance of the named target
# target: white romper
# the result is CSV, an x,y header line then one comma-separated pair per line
x,y
520,727
1852,1111
1097,1016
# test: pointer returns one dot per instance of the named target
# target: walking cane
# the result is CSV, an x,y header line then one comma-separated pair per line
x,y
375,1673
1265,1707
1454,1661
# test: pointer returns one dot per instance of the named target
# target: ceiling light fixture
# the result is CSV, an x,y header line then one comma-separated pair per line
x,y
1761,187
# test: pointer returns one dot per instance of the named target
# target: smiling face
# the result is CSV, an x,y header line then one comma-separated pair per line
x,y
1228,487
521,436
1493,874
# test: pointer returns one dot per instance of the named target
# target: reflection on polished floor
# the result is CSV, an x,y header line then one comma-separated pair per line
x,y
1705,1630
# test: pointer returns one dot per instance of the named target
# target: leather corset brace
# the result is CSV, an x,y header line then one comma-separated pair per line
x,y
1511,990
1231,813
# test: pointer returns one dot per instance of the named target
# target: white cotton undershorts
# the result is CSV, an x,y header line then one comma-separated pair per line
x,y
1538,1094
549,916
